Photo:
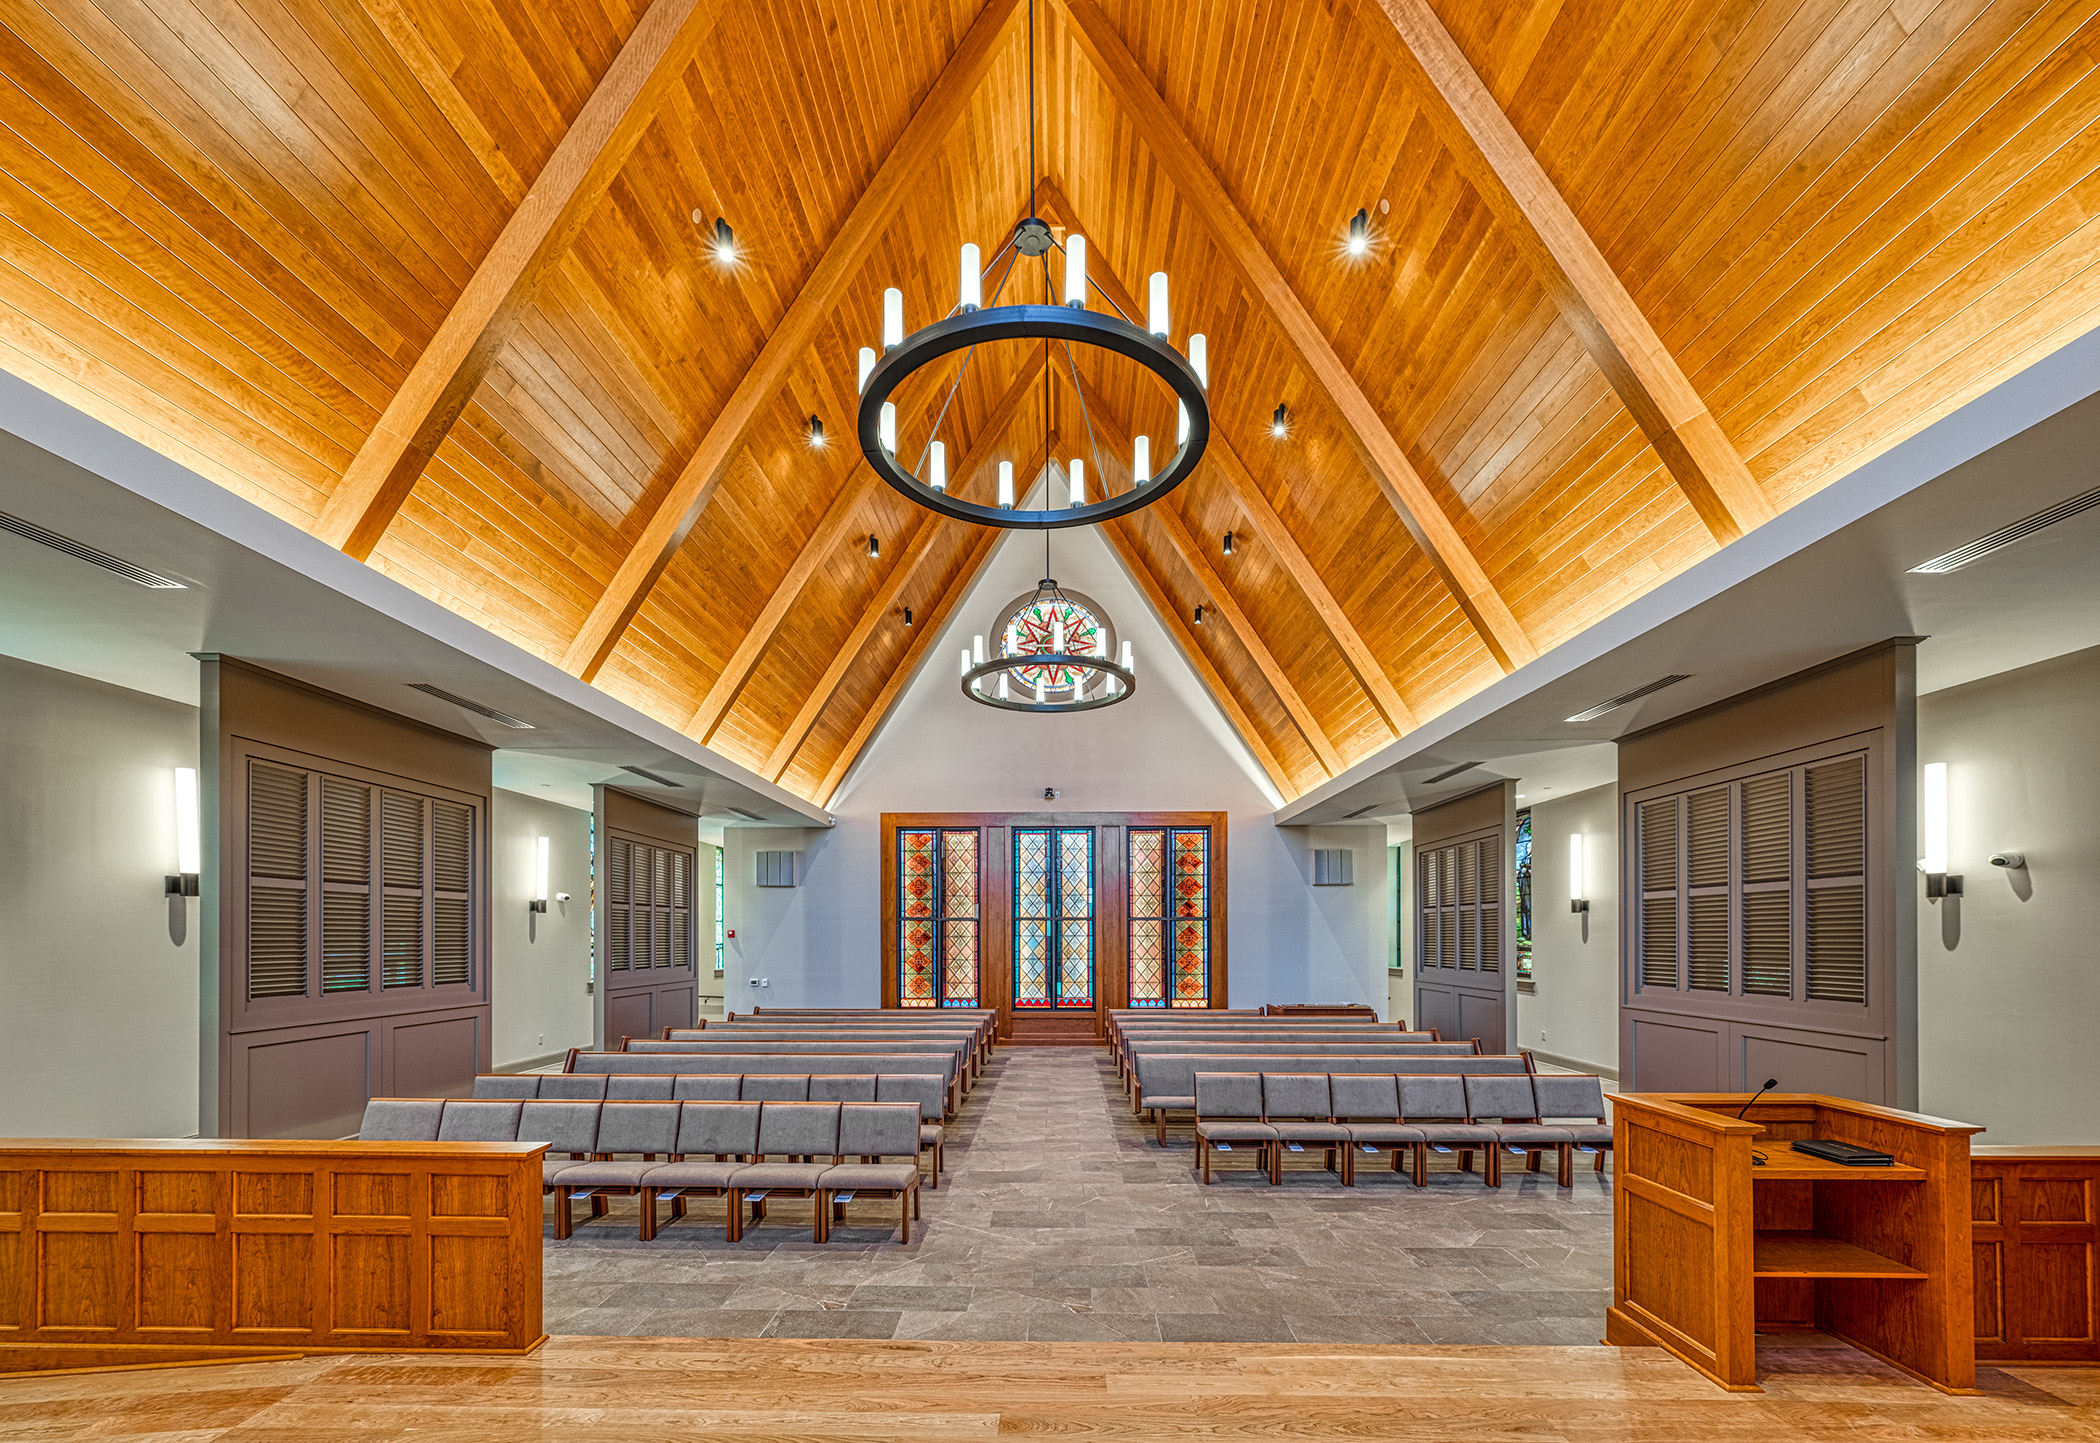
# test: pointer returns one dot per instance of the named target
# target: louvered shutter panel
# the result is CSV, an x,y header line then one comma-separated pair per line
x,y
681,910
1488,868
346,832
1447,869
401,941
277,931
1491,939
346,879
617,892
1768,943
451,866
1656,826
1706,840
401,837
1836,811
1447,933
1425,909
346,941
1768,828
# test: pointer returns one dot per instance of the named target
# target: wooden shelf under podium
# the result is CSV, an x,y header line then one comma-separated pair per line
x,y
1788,1254
1709,1244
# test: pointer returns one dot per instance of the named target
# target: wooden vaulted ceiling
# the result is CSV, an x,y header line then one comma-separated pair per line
x,y
425,278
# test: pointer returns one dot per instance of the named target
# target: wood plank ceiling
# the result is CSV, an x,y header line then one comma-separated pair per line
x,y
434,281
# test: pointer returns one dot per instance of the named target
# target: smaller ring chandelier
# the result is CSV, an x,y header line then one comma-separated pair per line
x,y
1053,657
971,324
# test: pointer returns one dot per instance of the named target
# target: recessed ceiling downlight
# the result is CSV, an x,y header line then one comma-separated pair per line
x,y
1626,696
2005,536
93,555
500,718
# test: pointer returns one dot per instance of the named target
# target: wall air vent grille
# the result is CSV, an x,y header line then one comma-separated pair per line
x,y
652,776
1448,773
94,556
747,816
2006,535
1626,696
501,718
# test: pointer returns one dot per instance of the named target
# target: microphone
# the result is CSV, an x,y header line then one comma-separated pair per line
x,y
1770,1083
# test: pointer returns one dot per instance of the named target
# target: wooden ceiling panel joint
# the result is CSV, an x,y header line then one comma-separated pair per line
x,y
530,246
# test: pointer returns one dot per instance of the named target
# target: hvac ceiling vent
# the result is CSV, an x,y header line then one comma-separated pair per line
x,y
652,776
94,556
2006,535
1626,696
500,718
747,816
1352,816
1445,776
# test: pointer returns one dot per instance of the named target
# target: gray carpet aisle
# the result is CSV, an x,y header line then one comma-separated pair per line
x,y
1059,1220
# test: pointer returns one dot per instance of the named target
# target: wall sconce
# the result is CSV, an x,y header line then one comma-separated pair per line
x,y
539,891
189,840
1577,902
1933,806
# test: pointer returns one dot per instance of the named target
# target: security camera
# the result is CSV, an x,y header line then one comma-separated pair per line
x,y
1050,794
2009,859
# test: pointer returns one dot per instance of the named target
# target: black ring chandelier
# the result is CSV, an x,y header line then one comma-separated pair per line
x,y
971,324
1056,680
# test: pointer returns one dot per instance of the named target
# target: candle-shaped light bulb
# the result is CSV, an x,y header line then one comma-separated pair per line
x,y
1181,423
1003,694
1039,697
1156,314
1141,460
965,662
1013,641
938,461
1006,485
889,427
892,318
1128,659
867,364
1057,633
977,649
1075,271
1079,483
972,278
1199,358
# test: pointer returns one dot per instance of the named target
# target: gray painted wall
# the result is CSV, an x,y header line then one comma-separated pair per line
x,y
2009,989
1166,749
1574,1013
541,963
98,1007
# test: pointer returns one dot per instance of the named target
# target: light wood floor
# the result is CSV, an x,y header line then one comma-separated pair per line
x,y
583,1390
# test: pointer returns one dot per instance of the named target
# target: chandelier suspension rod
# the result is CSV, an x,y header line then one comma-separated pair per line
x,y
956,384
1093,442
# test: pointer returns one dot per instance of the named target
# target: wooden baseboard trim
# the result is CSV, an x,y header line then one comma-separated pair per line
x,y
28,1360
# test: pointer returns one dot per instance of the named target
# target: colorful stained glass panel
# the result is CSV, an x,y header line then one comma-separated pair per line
x,y
1032,631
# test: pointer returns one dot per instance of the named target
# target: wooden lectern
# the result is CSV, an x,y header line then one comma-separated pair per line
x,y
1711,1243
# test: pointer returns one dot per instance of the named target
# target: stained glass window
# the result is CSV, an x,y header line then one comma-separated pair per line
x,y
1054,917
937,917
1034,629
1169,872
1523,899
721,926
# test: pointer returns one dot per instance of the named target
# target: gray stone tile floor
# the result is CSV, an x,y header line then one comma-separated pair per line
x,y
1060,1220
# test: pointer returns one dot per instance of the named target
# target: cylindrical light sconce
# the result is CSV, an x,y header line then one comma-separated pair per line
x,y
539,878
1578,895
1932,817
189,836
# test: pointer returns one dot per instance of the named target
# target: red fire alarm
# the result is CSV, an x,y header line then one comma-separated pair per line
x,y
730,933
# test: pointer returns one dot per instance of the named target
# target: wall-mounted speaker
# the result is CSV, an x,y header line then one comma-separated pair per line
x,y
1334,867
776,869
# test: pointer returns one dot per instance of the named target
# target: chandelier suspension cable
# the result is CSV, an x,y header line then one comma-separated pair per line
x,y
956,385
1093,442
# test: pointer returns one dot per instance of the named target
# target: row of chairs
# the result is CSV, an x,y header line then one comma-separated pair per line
x,y
926,1089
680,1150
1343,1114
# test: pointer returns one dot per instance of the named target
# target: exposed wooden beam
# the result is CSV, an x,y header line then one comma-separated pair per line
x,y
687,497
1498,164
1057,207
1197,184
991,437
1219,595
936,618
1170,618
533,241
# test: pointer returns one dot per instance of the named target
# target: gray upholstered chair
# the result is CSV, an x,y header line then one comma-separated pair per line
x,y
872,1131
1562,1096
715,1142
793,1130
638,1087
1502,1103
401,1119
931,1093
573,1087
842,1087
1368,1105
707,1087
775,1087
1436,1104
1298,1107
569,1129
507,1084
631,1136
467,1120
1228,1111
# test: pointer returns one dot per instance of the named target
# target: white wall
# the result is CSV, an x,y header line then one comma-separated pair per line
x,y
98,1007
1166,749
1574,1011
2008,983
541,962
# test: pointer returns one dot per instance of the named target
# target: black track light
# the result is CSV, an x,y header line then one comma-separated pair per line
x,y
1228,543
1199,616
907,616
1280,421
816,433
725,242
1360,233
874,546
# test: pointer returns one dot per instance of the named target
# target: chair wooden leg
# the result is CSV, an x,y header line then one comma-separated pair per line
x,y
564,1223
820,1217
1203,1157
914,1202
733,1221
1491,1167
1421,1164
1348,1168
1564,1171
1465,1159
904,1218
1531,1160
1159,1125
1276,1164
1600,1159
646,1231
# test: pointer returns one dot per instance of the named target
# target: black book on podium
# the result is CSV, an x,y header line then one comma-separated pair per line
x,y
1850,1155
